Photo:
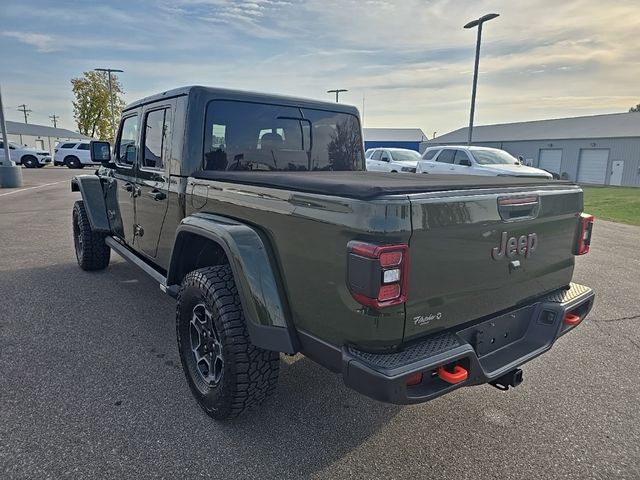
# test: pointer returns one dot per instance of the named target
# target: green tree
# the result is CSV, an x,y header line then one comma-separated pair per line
x,y
635,109
91,108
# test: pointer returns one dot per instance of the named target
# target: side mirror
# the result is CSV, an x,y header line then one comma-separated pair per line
x,y
101,153
465,162
11,147
384,159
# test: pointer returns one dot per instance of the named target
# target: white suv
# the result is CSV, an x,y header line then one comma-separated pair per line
x,y
73,154
463,160
391,160
27,156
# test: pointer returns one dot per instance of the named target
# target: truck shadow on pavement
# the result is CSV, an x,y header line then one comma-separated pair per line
x,y
108,364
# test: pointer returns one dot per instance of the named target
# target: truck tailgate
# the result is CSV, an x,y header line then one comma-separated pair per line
x,y
475,253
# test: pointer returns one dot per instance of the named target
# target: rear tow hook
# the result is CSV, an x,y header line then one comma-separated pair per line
x,y
511,379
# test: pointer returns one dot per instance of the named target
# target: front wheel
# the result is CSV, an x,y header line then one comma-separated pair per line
x,y
226,373
92,252
29,161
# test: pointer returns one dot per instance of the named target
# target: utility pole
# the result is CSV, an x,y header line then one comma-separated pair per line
x,y
54,119
10,173
476,23
109,71
23,108
337,91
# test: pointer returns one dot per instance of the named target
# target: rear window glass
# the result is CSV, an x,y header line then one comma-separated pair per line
x,y
430,154
255,136
68,145
446,156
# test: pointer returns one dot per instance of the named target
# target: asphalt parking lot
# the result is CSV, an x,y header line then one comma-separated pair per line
x,y
91,384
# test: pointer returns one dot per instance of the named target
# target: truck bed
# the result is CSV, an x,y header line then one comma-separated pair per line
x,y
367,185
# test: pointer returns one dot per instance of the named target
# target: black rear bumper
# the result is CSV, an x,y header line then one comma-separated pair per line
x,y
487,350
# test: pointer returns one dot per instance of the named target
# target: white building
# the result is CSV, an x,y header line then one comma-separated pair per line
x,y
598,149
40,136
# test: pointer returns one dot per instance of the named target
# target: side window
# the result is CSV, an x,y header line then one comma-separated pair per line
x,y
127,146
430,154
446,156
157,133
83,146
461,158
385,156
376,155
68,145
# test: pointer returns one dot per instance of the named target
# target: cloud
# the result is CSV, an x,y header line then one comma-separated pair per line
x,y
42,42
411,58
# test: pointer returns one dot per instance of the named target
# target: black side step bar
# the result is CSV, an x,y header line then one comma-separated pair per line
x,y
126,253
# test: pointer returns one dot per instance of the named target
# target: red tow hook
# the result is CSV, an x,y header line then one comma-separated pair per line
x,y
458,375
572,319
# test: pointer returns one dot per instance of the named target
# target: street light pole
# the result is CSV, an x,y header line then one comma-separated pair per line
x,y
10,173
337,92
472,24
113,120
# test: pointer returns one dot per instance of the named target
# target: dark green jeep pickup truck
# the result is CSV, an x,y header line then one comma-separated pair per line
x,y
255,212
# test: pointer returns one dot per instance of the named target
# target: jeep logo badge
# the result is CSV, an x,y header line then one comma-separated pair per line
x,y
512,246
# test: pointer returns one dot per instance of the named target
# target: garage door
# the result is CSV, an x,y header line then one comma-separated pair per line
x,y
592,167
550,159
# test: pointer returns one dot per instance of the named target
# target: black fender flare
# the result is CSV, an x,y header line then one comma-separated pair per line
x,y
259,287
90,187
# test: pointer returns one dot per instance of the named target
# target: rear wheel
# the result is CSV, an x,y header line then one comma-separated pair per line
x,y
72,162
226,373
92,252
29,161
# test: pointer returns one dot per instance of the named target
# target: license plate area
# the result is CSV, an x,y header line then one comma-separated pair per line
x,y
498,332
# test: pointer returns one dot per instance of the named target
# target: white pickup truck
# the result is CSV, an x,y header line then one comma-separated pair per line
x,y
29,157
470,160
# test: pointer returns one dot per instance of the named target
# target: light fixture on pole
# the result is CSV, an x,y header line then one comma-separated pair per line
x,y
109,71
337,91
476,23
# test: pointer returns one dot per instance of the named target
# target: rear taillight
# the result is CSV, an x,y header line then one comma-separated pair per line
x,y
585,228
377,275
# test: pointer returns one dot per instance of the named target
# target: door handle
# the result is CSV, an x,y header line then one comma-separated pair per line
x,y
157,195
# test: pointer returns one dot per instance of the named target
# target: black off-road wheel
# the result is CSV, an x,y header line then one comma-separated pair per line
x,y
92,252
227,374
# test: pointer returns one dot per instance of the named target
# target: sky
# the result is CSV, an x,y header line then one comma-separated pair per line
x,y
409,60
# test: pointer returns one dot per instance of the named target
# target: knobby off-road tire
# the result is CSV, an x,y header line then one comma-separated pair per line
x,y
91,251
227,374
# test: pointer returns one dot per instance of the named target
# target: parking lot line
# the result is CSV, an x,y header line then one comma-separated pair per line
x,y
31,188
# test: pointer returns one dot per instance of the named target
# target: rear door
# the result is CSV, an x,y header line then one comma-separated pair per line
x,y
152,179
444,161
373,163
463,262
